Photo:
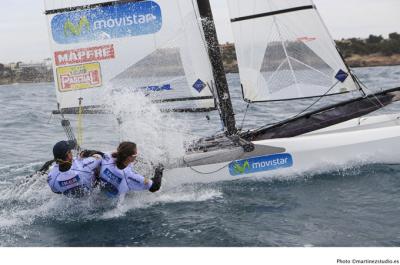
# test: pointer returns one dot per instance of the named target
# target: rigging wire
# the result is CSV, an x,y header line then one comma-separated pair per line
x,y
80,123
303,111
198,18
366,87
244,117
309,107
362,84
50,118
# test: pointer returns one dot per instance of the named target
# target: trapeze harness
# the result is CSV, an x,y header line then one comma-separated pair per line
x,y
77,181
117,181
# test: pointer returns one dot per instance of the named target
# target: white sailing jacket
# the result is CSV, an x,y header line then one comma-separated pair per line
x,y
116,181
78,180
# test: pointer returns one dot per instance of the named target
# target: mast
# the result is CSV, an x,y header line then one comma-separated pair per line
x,y
224,98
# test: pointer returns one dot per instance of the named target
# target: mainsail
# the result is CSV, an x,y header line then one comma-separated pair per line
x,y
156,47
285,52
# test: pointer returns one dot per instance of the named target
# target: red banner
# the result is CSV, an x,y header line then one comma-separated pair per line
x,y
84,55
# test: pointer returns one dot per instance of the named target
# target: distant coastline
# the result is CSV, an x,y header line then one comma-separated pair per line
x,y
370,52
353,61
26,72
372,60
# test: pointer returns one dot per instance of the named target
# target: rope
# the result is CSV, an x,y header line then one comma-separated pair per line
x,y
211,172
244,117
80,123
68,130
377,99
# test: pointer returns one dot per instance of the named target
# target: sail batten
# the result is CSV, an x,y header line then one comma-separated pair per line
x,y
285,52
273,13
80,7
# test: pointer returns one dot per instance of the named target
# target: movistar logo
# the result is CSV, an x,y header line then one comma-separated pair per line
x,y
119,20
240,169
76,30
260,164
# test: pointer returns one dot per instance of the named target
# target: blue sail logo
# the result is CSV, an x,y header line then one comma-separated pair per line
x,y
119,20
259,164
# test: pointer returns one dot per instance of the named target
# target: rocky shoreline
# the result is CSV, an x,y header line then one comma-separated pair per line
x,y
353,61
232,67
373,60
372,52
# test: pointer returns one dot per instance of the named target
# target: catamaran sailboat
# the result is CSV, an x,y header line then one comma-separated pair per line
x,y
170,47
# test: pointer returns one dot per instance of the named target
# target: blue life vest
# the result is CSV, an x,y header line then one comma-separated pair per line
x,y
117,181
77,181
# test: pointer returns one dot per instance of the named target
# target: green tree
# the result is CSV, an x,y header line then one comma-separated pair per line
x,y
358,46
390,47
394,36
372,39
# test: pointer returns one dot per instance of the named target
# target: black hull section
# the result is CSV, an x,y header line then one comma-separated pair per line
x,y
325,117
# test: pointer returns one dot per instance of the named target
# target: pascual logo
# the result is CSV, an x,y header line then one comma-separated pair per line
x,y
259,164
79,77
76,30
107,22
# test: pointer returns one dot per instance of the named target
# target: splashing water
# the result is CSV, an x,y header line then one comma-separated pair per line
x,y
297,210
26,201
158,135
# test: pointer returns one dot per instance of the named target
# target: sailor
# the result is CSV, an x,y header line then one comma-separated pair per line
x,y
73,177
117,175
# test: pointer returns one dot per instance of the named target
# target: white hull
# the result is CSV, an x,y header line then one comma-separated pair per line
x,y
356,142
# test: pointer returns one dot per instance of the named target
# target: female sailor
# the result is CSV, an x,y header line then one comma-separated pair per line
x,y
74,177
117,175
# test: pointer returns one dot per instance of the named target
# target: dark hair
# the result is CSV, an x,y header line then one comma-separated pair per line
x,y
125,150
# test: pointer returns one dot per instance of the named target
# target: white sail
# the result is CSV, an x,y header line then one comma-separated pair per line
x,y
285,52
156,47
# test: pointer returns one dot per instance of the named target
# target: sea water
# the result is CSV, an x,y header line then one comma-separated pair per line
x,y
349,207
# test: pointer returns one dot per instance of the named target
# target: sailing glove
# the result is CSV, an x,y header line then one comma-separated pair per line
x,y
158,174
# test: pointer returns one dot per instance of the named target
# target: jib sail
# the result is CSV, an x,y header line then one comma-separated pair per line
x,y
285,52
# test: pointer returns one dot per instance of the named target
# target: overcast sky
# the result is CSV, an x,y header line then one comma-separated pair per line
x,y
24,35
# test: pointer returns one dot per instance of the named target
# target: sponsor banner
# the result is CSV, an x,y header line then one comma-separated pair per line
x,y
306,39
112,178
166,87
119,20
79,77
259,164
84,55
69,182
